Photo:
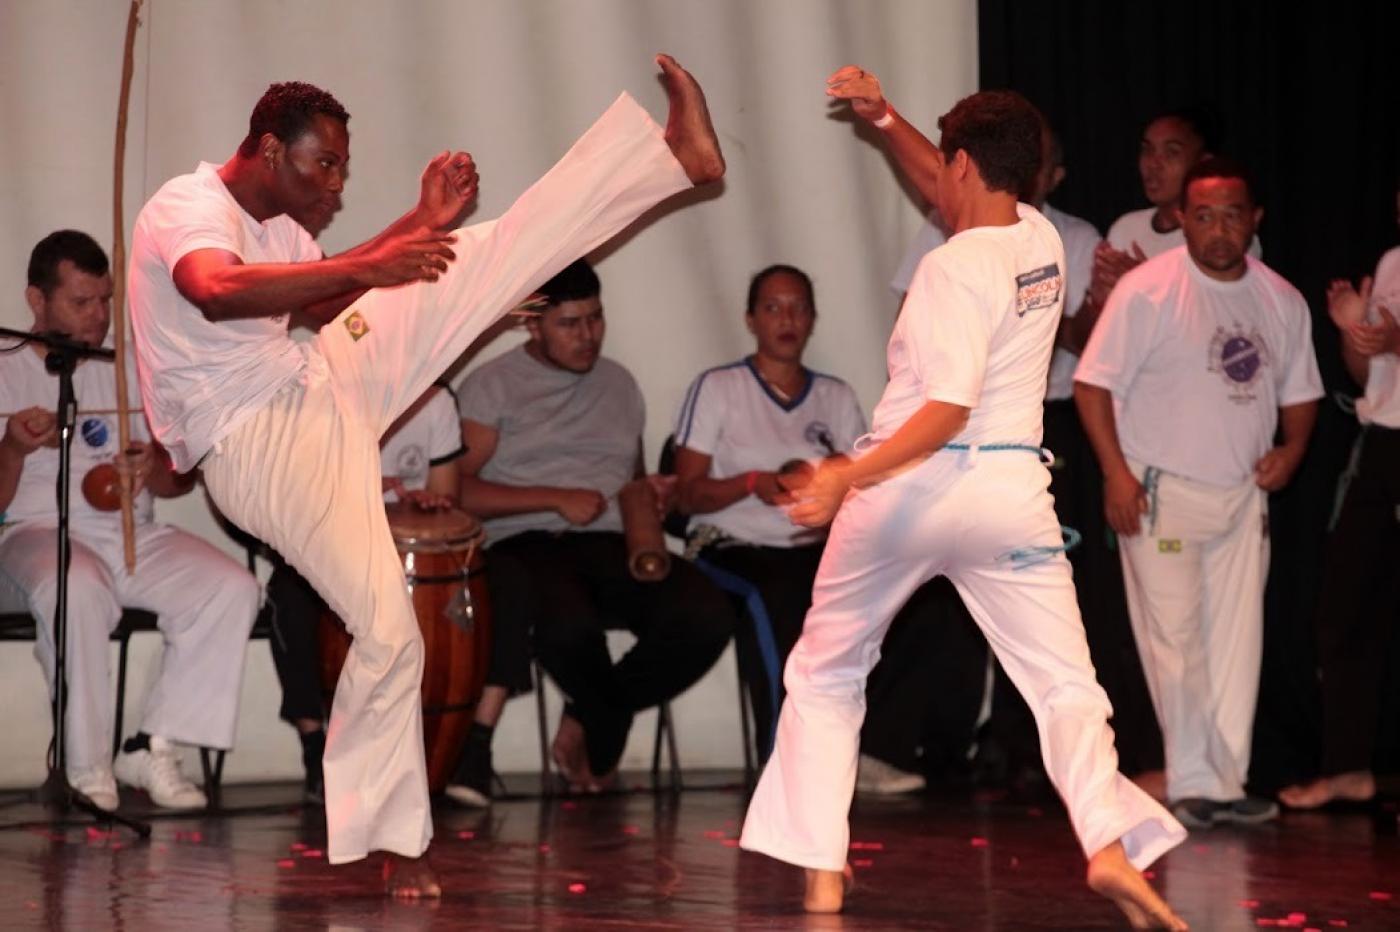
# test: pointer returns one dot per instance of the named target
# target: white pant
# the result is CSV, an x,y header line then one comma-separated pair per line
x,y
205,605
1195,584
959,514
303,473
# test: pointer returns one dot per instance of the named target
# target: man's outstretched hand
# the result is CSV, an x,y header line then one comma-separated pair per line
x,y
447,189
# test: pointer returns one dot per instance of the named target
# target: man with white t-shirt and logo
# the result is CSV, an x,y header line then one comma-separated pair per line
x,y
1201,354
950,482
1356,614
204,602
287,433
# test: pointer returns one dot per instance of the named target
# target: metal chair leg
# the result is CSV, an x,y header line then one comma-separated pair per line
x,y
119,713
542,714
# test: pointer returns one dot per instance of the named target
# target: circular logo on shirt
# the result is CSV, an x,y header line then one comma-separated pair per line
x,y
1240,359
95,433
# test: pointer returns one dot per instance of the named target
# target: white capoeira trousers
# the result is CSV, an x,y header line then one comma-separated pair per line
x,y
1195,583
205,605
303,473
962,514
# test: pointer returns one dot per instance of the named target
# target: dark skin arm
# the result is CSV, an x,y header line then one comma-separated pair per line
x,y
1124,499
697,493
416,247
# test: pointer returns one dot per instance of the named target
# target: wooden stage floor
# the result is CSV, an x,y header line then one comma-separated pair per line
x,y
640,860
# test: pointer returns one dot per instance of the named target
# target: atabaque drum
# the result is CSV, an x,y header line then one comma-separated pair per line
x,y
445,572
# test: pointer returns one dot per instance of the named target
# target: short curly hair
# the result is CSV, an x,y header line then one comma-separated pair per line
x,y
1000,132
285,110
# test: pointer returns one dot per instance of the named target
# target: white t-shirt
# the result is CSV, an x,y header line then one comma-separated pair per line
x,y
1199,368
730,415
1136,227
977,329
25,383
431,436
1079,238
556,428
1381,405
200,379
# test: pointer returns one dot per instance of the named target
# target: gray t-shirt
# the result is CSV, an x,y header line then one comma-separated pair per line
x,y
556,428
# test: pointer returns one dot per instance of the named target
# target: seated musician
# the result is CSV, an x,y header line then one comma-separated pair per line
x,y
419,458
204,602
553,432
738,426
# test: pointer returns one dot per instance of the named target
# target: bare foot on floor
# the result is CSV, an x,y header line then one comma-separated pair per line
x,y
689,132
1356,786
570,753
410,878
1111,875
827,890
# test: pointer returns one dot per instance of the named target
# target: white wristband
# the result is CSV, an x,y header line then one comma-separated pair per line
x,y
885,121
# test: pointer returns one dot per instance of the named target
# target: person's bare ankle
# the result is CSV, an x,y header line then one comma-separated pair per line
x,y
689,132
408,878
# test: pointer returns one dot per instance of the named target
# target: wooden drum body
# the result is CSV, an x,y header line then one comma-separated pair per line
x,y
445,572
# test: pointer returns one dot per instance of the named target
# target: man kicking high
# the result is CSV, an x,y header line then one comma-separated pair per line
x,y
287,434
950,481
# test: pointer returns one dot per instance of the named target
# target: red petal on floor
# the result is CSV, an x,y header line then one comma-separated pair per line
x,y
577,887
312,853
1380,896
862,862
466,836
286,863
1250,904
867,846
979,842
630,830
299,846
544,849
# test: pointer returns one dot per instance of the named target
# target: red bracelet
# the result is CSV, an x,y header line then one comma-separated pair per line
x,y
751,481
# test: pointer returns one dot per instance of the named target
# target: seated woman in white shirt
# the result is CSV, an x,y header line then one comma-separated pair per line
x,y
739,425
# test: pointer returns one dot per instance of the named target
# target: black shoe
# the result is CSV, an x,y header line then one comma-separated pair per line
x,y
1248,810
1198,812
471,783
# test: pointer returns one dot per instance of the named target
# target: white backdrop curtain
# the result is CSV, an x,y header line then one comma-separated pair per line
x,y
513,82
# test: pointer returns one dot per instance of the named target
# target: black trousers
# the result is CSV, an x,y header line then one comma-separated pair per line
x,y
783,576
294,611
570,588
1357,611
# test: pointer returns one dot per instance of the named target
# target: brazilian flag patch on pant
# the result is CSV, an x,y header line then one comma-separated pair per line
x,y
355,323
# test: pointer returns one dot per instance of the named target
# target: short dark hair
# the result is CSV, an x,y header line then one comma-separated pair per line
x,y
576,282
285,110
759,278
75,246
1000,132
1200,118
1219,166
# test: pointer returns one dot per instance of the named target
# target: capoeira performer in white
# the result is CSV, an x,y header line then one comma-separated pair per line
x,y
1200,355
205,603
950,481
287,434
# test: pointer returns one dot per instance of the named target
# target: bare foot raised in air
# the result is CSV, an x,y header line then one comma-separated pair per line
x,y
1111,875
827,890
689,132
410,878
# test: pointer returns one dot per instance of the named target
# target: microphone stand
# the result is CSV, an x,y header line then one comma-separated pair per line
x,y
62,360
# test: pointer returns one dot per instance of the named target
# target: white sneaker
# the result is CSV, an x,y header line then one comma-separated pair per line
x,y
157,771
97,784
877,778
